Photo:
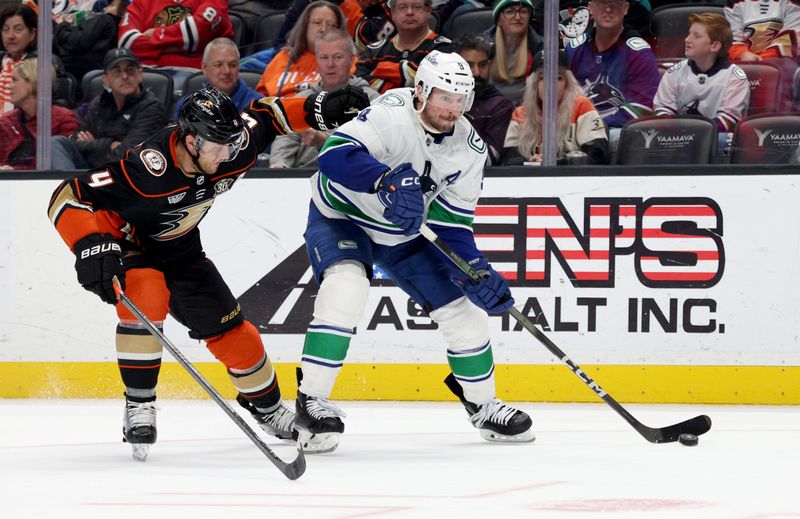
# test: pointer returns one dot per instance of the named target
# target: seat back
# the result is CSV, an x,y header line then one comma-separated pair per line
x,y
669,25
194,82
159,82
468,22
766,139
238,28
267,28
765,86
678,139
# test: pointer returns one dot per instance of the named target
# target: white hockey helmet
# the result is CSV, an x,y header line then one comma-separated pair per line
x,y
447,71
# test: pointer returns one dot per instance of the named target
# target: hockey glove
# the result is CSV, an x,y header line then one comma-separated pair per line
x,y
400,192
491,293
328,110
98,258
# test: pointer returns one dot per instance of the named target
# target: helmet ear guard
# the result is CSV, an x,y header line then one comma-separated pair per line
x,y
445,71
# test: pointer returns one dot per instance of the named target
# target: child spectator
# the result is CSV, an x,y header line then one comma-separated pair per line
x,y
705,83
578,124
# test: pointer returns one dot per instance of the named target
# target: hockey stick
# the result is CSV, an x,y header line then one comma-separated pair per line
x,y
291,470
697,425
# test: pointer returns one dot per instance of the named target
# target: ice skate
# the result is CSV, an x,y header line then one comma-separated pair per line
x,y
495,420
319,424
279,423
139,427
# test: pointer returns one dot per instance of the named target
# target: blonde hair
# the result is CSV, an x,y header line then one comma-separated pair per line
x,y
29,71
500,67
530,132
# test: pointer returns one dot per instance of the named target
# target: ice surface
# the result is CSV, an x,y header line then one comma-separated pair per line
x,y
65,458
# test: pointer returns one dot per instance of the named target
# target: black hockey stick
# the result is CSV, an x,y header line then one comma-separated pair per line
x,y
697,425
291,470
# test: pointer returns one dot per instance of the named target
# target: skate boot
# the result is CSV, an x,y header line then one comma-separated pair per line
x,y
495,420
319,424
279,423
139,427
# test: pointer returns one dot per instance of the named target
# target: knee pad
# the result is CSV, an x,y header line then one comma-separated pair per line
x,y
342,295
238,349
463,324
147,288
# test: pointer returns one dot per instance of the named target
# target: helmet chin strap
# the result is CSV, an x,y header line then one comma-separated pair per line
x,y
195,158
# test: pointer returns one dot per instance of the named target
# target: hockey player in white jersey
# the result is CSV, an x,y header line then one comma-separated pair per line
x,y
408,158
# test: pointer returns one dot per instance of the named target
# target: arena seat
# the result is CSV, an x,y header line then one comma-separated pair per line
x,y
766,139
194,82
669,25
677,139
765,86
159,82
468,22
266,30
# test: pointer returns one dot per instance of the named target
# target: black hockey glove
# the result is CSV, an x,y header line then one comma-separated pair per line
x,y
400,192
98,258
492,293
328,110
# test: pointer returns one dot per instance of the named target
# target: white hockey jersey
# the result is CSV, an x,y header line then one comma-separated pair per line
x,y
391,133
722,93
765,27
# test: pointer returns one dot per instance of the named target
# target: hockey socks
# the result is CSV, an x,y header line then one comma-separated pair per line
x,y
324,352
474,370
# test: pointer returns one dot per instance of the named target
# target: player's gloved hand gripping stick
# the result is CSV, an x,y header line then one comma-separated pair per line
x,y
291,470
696,426
401,193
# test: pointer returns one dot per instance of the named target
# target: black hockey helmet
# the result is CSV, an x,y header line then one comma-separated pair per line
x,y
210,115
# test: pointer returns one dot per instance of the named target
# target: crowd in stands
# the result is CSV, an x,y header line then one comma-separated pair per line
x,y
612,67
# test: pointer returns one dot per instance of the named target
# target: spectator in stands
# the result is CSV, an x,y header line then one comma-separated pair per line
x,y
19,41
515,44
615,66
579,126
763,29
295,67
574,18
81,46
335,54
167,33
18,127
221,68
491,111
117,120
392,63
705,83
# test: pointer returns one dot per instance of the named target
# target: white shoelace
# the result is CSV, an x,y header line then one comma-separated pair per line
x,y
141,414
320,408
495,411
282,418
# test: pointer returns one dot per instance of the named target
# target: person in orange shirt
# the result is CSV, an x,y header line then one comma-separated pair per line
x,y
579,127
294,68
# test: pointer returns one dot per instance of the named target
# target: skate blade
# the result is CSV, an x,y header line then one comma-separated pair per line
x,y
318,443
523,437
140,451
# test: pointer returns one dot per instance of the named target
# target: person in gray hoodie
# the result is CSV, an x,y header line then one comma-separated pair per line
x,y
336,54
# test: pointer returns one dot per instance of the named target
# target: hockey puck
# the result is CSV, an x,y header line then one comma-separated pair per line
x,y
690,440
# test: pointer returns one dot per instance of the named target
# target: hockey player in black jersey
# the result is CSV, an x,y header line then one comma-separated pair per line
x,y
137,219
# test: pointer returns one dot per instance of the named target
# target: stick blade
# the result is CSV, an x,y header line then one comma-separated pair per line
x,y
697,426
296,468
